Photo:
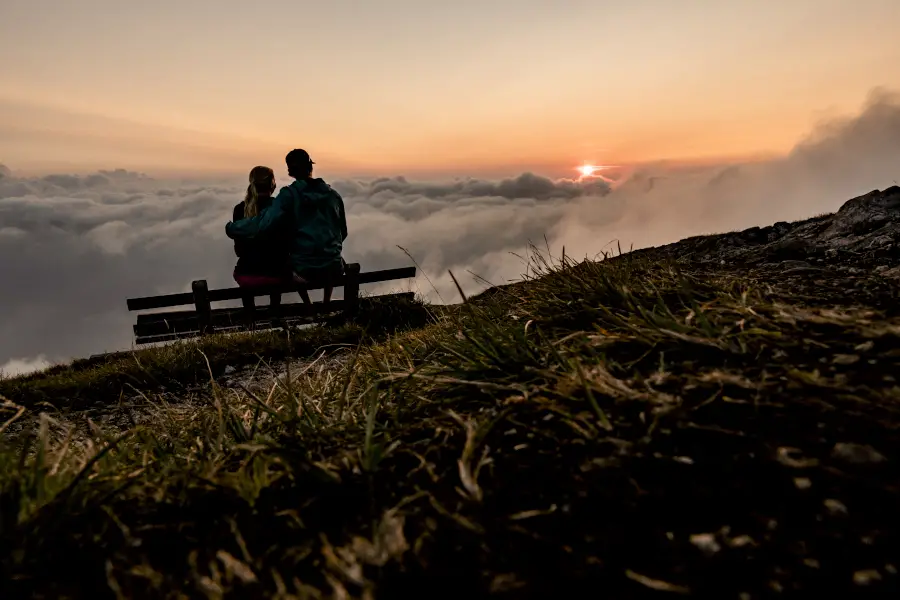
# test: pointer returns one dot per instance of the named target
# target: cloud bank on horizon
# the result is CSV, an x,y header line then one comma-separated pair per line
x,y
73,248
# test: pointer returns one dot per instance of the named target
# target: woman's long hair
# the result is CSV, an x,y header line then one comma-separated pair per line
x,y
262,179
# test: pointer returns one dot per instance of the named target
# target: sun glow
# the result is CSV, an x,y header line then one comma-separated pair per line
x,y
587,170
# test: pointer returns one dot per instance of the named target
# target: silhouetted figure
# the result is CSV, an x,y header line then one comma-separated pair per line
x,y
311,214
262,261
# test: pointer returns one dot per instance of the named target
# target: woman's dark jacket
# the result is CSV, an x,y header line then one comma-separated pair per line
x,y
265,255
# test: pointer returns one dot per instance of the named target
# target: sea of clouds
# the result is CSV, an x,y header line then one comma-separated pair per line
x,y
73,248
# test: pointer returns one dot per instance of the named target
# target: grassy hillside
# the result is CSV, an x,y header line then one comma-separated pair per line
x,y
634,427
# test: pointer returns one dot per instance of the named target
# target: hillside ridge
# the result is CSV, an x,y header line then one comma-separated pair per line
x,y
715,418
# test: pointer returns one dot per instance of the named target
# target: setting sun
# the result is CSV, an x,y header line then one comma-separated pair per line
x,y
587,170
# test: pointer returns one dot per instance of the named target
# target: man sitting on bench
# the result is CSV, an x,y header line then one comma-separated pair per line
x,y
312,214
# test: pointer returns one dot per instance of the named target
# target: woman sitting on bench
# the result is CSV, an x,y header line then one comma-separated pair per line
x,y
262,261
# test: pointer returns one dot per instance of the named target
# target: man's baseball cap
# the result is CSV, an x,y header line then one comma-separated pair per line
x,y
298,157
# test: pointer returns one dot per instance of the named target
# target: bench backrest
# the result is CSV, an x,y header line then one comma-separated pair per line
x,y
236,293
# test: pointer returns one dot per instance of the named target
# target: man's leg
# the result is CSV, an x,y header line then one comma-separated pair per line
x,y
335,273
304,295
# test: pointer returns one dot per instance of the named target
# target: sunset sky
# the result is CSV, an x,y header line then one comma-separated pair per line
x,y
427,86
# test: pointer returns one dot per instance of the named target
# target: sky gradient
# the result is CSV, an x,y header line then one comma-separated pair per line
x,y
422,87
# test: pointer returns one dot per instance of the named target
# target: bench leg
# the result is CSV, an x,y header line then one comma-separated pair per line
x,y
351,288
201,305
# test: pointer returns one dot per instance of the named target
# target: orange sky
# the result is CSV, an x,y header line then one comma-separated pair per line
x,y
415,86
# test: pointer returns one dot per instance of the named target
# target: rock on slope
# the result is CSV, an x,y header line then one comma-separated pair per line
x,y
865,231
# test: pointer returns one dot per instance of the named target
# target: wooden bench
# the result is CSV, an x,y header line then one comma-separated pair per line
x,y
204,320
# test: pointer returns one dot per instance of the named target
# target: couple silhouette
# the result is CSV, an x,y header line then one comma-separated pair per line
x,y
295,237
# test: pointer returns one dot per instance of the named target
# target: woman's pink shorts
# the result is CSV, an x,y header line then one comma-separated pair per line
x,y
260,280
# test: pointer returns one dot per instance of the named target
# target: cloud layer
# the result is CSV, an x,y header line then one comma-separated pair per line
x,y
72,249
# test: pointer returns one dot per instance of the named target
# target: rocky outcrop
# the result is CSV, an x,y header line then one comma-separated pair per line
x,y
865,230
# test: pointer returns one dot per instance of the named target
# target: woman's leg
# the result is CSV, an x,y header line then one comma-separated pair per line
x,y
251,281
275,310
245,281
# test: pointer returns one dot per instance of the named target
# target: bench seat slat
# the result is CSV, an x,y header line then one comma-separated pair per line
x,y
224,317
161,327
186,324
151,302
169,337
224,313
260,326
387,275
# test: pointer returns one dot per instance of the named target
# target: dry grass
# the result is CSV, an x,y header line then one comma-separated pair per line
x,y
628,425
